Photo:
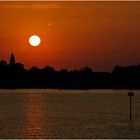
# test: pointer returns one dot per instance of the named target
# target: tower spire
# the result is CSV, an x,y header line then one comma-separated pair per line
x,y
12,59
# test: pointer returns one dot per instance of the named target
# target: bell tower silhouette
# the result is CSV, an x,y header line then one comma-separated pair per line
x,y
12,59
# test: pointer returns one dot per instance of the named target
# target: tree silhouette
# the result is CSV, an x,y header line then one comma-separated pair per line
x,y
14,75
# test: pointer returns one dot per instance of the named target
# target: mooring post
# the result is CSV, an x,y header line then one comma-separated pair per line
x,y
130,94
130,108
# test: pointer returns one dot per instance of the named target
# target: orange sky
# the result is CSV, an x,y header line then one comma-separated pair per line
x,y
73,34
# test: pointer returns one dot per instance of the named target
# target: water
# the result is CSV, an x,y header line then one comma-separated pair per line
x,y
43,113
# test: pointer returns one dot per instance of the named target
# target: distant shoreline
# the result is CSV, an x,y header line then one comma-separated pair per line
x,y
14,75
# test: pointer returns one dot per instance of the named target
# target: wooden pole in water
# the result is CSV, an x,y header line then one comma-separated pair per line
x,y
130,108
130,94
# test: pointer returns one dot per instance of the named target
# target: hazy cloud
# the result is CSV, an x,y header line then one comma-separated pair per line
x,y
33,5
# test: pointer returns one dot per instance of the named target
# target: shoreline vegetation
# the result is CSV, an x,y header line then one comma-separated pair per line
x,y
14,75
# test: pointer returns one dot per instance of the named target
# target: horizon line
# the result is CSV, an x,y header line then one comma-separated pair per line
x,y
68,0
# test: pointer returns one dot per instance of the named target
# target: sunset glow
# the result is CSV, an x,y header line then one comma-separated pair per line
x,y
73,34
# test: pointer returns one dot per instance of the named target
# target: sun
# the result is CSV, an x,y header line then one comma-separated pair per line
x,y
34,40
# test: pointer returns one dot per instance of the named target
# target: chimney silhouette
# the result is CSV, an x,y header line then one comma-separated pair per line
x,y
12,59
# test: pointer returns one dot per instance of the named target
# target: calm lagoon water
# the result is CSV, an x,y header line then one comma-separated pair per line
x,y
45,113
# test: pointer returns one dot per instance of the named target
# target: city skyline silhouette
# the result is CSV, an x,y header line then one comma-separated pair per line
x,y
14,75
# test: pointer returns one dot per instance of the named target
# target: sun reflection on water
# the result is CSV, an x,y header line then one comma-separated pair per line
x,y
34,116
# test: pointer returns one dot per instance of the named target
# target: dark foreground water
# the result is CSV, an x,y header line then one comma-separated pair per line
x,y
46,113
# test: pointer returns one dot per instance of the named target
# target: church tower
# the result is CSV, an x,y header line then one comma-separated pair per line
x,y
12,59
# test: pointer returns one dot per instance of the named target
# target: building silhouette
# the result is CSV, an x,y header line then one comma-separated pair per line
x,y
12,59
